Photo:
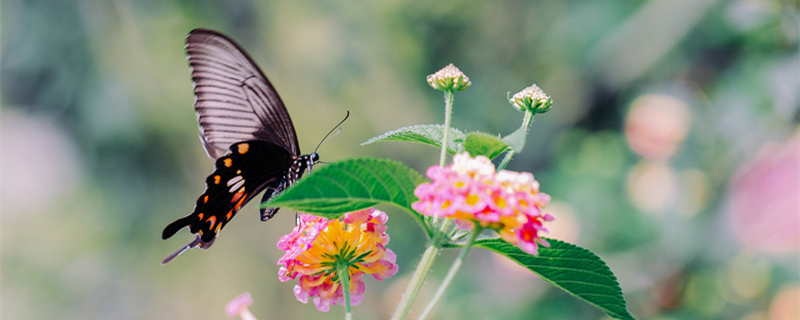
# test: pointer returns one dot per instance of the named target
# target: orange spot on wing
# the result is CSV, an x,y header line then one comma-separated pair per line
x,y
216,230
228,162
205,199
212,220
229,215
238,195
243,148
216,179
200,216
239,204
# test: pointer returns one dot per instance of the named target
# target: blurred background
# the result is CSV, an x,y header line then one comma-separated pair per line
x,y
672,149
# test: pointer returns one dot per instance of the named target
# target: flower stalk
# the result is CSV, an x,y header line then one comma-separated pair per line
x,y
416,282
449,79
448,110
476,230
526,122
343,269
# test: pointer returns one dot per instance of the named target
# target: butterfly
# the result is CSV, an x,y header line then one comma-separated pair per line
x,y
246,128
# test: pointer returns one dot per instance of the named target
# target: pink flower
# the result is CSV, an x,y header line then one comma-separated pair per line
x,y
238,306
317,245
470,191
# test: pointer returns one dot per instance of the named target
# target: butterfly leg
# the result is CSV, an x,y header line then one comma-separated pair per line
x,y
273,189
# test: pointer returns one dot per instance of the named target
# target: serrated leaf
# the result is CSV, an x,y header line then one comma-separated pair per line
x,y
516,140
481,144
574,269
353,184
430,134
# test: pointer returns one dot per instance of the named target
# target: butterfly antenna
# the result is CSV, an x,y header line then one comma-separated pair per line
x,y
334,128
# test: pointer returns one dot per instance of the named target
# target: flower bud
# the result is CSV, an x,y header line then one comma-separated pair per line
x,y
449,78
531,99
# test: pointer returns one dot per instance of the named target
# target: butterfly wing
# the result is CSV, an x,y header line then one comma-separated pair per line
x,y
245,126
248,169
234,101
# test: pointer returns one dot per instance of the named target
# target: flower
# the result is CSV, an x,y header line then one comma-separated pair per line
x,y
449,78
238,306
470,191
317,246
531,99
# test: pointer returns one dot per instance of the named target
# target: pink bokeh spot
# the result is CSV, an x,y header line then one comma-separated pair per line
x,y
763,200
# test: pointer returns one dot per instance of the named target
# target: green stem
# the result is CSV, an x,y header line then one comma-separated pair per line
x,y
448,109
343,269
432,251
503,164
416,282
526,121
452,273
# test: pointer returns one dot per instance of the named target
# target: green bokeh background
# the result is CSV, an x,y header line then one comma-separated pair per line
x,y
100,149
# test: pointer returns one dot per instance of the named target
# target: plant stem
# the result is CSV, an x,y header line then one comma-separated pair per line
x,y
416,282
448,109
247,315
526,121
452,273
344,278
503,164
432,251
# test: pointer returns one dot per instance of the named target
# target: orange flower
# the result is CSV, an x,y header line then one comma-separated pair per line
x,y
317,246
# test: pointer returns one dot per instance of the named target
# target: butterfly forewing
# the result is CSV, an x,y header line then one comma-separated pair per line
x,y
234,100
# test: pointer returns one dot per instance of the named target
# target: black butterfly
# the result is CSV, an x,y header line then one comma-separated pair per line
x,y
246,128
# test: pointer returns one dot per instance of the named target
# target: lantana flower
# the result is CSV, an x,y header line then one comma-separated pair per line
x,y
471,192
318,245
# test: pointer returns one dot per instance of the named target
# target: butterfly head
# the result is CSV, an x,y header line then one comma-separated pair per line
x,y
310,160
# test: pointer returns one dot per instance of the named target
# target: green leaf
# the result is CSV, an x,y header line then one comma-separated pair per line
x,y
516,140
571,268
481,144
353,184
430,134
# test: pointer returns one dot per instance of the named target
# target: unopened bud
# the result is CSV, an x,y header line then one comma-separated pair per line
x,y
531,99
449,78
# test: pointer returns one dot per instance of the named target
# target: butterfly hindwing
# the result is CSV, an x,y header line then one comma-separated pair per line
x,y
238,176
